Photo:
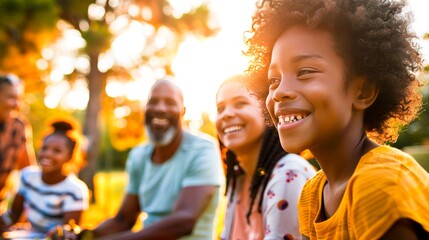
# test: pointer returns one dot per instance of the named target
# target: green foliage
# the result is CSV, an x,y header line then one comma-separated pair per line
x,y
421,154
12,13
25,28
41,14
18,16
73,11
110,158
417,132
97,38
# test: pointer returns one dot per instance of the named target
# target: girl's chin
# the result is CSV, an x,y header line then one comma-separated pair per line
x,y
49,171
292,149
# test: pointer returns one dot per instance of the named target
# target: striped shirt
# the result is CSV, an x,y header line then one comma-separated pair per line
x,y
45,204
387,185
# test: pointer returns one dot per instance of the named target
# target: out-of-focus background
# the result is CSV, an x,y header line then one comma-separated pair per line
x,y
94,60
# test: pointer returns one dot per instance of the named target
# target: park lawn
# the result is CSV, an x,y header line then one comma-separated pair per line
x,y
109,191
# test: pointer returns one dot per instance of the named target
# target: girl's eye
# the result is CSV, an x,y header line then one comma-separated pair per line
x,y
304,71
241,103
272,81
220,109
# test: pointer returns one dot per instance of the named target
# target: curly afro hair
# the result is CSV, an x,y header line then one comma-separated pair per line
x,y
372,37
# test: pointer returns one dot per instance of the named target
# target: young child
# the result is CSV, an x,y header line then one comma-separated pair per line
x,y
338,77
263,181
51,194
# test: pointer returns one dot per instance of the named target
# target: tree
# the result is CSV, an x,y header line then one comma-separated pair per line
x,y
94,20
25,28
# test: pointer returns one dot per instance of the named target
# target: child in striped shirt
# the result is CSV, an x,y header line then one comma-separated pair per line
x,y
51,195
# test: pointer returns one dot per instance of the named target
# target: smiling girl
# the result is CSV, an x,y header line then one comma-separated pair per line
x,y
339,78
263,181
51,194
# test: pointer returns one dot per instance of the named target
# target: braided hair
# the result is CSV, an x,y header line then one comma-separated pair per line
x,y
271,152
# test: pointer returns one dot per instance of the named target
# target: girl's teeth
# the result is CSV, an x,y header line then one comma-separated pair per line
x,y
232,129
290,119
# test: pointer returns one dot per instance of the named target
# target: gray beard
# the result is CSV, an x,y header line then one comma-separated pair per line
x,y
164,139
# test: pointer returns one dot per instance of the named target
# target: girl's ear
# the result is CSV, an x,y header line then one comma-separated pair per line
x,y
366,93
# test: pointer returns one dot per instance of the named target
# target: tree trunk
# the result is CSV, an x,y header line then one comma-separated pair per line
x,y
91,129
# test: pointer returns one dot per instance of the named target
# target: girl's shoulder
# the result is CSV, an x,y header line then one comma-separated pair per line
x,y
73,180
294,162
31,168
30,176
31,171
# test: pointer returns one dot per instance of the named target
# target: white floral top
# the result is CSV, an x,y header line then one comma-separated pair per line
x,y
279,209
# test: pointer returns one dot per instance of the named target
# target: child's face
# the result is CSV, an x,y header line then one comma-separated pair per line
x,y
53,154
308,101
239,122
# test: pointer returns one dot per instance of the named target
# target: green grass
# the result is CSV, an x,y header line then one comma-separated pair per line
x,y
109,192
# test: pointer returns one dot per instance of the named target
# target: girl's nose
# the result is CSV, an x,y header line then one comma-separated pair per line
x,y
284,91
228,112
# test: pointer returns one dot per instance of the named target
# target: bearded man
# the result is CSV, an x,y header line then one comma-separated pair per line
x,y
174,178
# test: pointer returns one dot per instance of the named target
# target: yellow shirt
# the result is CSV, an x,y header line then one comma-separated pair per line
x,y
387,185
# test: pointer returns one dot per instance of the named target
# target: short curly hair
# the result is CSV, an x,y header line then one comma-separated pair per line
x,y
373,38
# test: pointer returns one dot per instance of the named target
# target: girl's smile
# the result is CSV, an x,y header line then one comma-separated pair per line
x,y
53,154
239,122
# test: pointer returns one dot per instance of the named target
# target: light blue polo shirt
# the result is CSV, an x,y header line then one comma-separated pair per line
x,y
197,162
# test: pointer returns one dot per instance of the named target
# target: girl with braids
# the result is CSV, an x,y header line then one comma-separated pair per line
x,y
51,194
338,78
263,182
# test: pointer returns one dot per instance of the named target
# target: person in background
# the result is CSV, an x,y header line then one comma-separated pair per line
x,y
263,182
338,77
16,146
50,194
174,178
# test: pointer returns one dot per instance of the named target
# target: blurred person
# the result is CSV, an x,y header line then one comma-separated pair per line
x,y
338,77
50,195
16,146
174,178
263,182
